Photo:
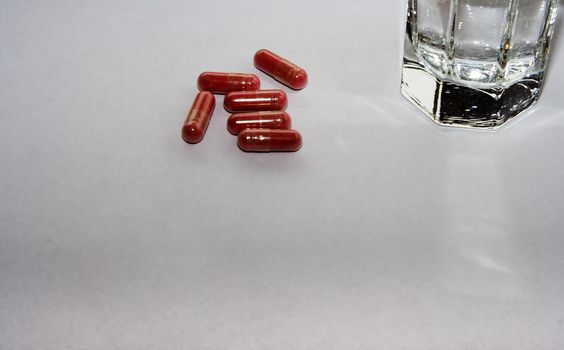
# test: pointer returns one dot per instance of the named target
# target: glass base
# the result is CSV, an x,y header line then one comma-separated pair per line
x,y
449,103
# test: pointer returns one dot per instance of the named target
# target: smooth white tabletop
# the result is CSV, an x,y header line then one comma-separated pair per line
x,y
384,232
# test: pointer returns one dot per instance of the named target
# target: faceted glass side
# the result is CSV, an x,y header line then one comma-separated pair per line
x,y
476,63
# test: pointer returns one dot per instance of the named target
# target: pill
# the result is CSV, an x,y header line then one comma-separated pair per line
x,y
222,83
281,69
258,120
255,101
198,117
269,140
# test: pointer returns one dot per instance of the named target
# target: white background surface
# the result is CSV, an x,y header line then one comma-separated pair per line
x,y
384,232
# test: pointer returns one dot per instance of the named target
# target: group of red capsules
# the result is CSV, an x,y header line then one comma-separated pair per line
x,y
259,119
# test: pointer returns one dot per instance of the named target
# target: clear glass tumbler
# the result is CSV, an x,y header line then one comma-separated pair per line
x,y
476,63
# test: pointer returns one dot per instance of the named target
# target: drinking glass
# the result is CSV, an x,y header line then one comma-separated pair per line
x,y
476,63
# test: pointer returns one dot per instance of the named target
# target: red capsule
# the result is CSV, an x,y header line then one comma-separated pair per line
x,y
281,69
198,118
255,101
258,120
222,83
268,140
